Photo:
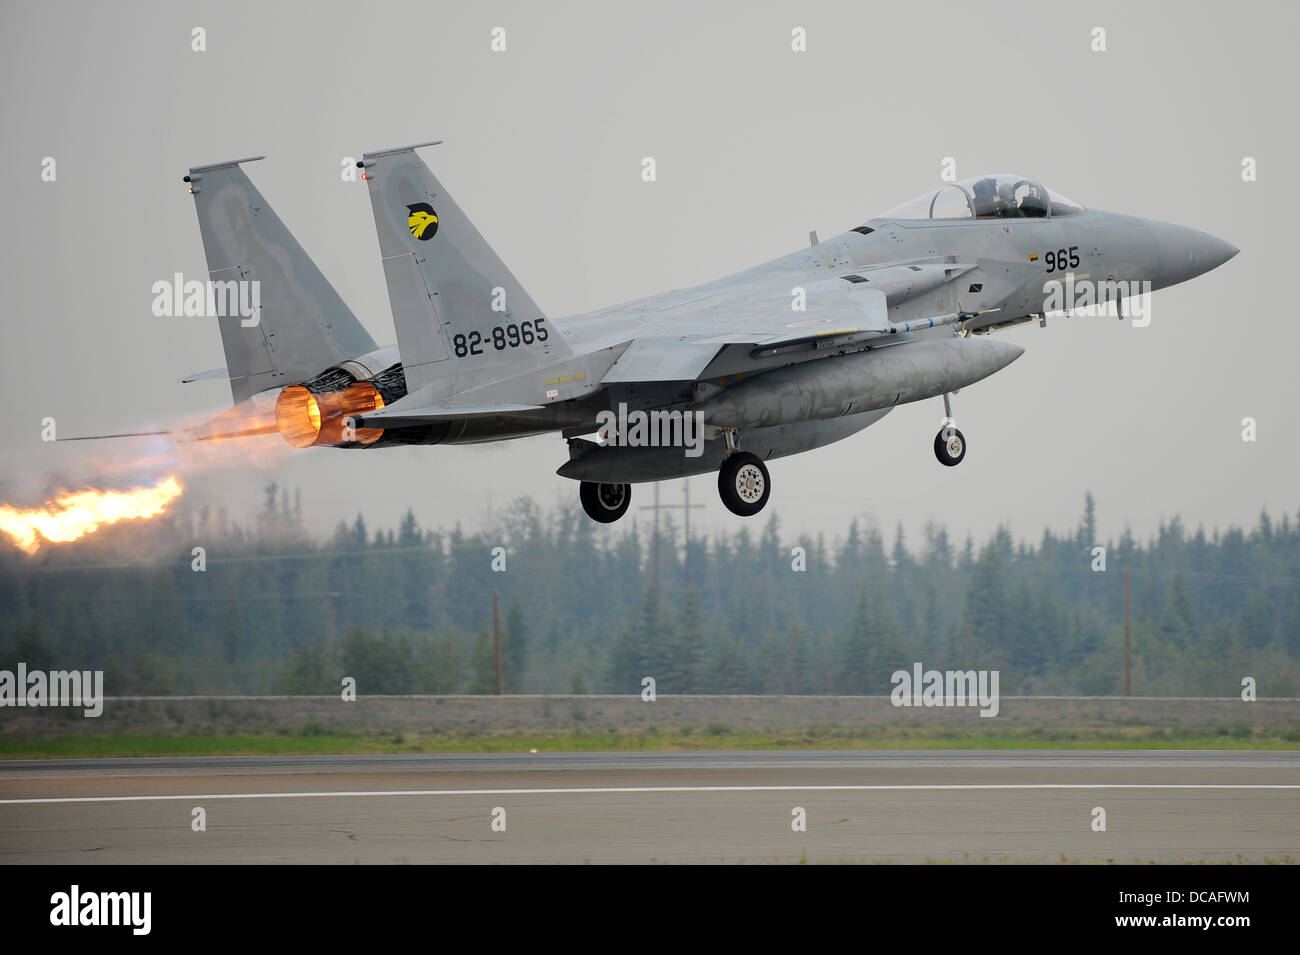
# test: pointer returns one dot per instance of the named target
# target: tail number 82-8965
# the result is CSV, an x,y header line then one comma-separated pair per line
x,y
500,338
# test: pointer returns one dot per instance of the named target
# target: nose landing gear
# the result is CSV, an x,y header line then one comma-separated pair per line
x,y
950,447
949,443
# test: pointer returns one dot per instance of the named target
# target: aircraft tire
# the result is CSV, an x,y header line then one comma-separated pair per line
x,y
744,484
605,503
950,447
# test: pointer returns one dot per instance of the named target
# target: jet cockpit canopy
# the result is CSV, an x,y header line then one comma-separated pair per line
x,y
999,196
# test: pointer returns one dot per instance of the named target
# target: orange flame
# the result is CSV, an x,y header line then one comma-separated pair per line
x,y
76,513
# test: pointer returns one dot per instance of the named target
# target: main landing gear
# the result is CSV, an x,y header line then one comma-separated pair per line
x,y
605,503
949,443
743,483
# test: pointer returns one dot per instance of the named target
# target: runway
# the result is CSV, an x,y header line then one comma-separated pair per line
x,y
699,807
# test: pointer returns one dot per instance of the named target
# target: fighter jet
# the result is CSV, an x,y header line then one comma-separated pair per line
x,y
782,358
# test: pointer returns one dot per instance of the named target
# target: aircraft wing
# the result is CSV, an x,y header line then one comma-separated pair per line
x,y
682,339
663,358
684,331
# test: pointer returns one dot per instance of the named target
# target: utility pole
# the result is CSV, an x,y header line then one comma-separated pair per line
x,y
1128,665
654,548
654,540
686,519
496,637
329,633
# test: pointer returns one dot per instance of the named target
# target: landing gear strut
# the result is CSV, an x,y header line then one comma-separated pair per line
x,y
744,484
605,503
949,443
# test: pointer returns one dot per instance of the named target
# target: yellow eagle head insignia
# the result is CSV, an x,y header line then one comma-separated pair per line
x,y
422,221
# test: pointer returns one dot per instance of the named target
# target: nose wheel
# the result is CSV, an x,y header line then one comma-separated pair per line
x,y
744,484
949,443
605,503
950,447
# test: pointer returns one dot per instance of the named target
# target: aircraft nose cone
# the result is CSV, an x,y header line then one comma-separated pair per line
x,y
1186,253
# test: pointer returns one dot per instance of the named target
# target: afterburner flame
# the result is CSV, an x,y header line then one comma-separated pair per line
x,y
76,513
308,418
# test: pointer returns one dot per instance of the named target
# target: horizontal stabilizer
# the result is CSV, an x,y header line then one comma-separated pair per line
x,y
205,375
205,433
252,431
104,437
385,418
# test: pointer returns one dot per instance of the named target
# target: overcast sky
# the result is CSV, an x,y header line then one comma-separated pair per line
x,y
755,145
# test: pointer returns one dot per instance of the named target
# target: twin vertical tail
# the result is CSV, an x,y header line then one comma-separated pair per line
x,y
303,326
462,318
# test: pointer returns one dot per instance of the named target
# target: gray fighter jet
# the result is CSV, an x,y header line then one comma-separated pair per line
x,y
783,358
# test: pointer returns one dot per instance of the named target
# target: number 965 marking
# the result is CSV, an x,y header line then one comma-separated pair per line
x,y
1062,259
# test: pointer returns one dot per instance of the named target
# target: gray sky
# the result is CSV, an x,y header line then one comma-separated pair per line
x,y
755,145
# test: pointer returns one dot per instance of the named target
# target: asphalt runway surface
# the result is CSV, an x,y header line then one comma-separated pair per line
x,y
702,807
